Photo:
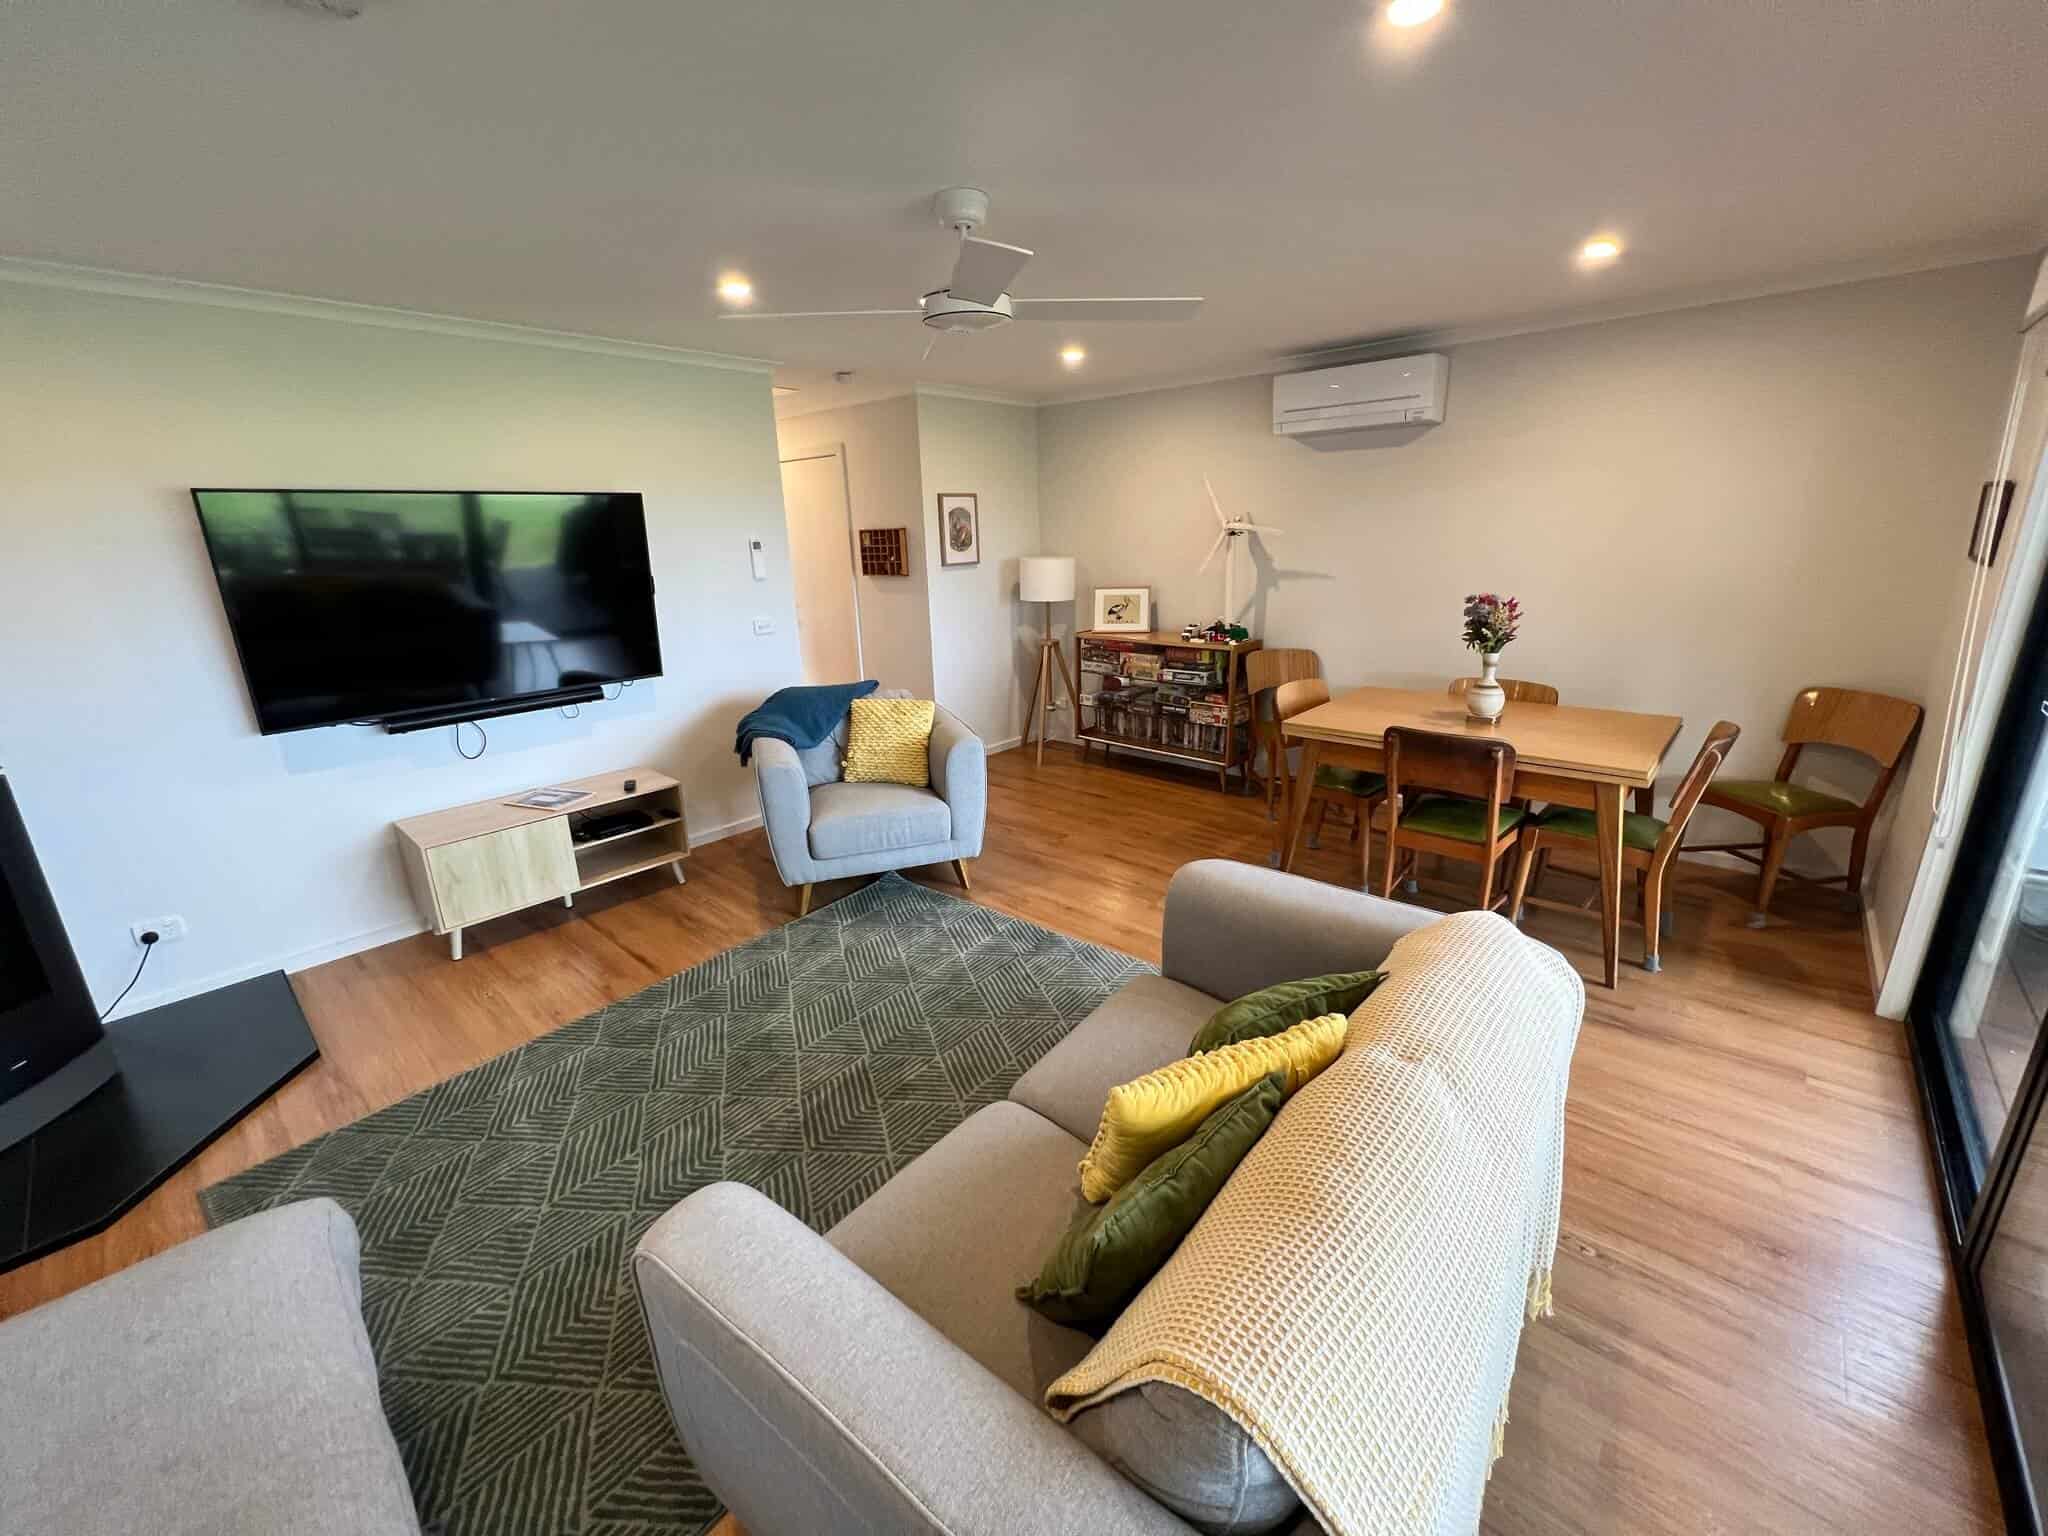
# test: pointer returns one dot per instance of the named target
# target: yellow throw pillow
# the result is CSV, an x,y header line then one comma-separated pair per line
x,y
1157,1112
889,741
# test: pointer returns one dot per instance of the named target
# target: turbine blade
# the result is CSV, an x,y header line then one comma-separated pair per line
x,y
1221,540
1214,502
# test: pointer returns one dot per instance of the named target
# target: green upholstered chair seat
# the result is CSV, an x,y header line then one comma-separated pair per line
x,y
1350,781
1779,797
1454,816
1637,831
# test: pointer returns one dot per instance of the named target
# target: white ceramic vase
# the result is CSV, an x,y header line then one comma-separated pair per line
x,y
1485,699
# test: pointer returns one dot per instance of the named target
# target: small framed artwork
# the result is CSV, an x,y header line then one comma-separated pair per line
x,y
1123,610
959,529
1990,525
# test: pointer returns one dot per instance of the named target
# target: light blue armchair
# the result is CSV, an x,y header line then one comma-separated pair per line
x,y
820,828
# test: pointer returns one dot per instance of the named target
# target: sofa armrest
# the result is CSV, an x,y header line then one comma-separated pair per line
x,y
959,766
812,1400
785,808
1233,928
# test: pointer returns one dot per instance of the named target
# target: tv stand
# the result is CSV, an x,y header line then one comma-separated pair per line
x,y
474,862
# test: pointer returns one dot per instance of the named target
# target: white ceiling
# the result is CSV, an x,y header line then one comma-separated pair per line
x,y
1321,179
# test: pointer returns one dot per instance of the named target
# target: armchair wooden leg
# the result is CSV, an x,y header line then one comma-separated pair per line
x,y
803,902
960,871
1774,860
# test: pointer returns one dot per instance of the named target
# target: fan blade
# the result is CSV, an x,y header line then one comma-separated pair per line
x,y
1105,309
1221,540
985,270
814,314
1214,502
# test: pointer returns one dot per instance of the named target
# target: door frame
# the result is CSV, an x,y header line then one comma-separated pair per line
x,y
836,451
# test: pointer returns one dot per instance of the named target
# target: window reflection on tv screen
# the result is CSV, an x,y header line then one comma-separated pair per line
x,y
364,605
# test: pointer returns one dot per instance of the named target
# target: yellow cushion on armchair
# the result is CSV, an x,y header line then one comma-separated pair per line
x,y
888,741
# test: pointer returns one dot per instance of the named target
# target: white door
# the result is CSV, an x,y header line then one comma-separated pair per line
x,y
821,566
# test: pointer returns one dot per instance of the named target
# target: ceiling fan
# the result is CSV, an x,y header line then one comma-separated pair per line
x,y
977,297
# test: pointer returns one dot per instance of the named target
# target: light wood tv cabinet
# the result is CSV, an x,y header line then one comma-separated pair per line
x,y
473,862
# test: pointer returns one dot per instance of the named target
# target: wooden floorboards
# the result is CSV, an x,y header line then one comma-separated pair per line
x,y
1755,1329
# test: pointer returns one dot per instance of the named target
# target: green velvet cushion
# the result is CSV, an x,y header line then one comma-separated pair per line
x,y
1351,781
1455,816
1111,1250
1780,798
1636,831
1283,1005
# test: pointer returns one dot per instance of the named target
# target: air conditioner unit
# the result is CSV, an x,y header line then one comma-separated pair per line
x,y
1396,392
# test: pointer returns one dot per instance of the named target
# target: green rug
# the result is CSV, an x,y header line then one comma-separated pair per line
x,y
499,1209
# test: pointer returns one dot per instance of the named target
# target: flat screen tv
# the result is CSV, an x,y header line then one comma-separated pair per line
x,y
408,607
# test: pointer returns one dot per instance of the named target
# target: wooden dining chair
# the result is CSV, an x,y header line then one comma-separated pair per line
x,y
1518,690
1451,797
1648,846
1265,671
1877,726
1358,790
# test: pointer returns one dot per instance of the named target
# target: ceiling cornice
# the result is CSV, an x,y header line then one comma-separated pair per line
x,y
985,396
177,290
1366,348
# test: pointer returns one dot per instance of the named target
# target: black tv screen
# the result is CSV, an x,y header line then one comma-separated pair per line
x,y
375,605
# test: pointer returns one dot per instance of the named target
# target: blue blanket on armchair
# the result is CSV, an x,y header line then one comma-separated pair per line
x,y
803,717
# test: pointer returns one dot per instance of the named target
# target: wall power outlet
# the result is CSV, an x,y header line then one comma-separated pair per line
x,y
168,930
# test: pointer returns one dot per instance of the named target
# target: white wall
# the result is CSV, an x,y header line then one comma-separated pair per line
x,y
1702,511
984,645
126,727
885,488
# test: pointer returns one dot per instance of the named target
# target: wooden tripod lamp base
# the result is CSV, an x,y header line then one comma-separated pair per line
x,y
1047,579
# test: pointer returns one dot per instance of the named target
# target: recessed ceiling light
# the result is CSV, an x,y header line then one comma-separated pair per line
x,y
1073,357
1599,251
735,289
1412,13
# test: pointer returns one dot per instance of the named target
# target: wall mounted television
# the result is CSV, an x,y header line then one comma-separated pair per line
x,y
407,609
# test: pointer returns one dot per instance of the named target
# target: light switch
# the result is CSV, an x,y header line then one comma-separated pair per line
x,y
764,626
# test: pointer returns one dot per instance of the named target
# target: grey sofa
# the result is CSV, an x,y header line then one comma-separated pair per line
x,y
881,1378
224,1388
822,829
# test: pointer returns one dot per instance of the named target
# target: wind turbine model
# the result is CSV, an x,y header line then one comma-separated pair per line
x,y
1233,530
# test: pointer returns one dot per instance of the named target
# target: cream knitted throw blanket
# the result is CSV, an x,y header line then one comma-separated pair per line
x,y
1355,1294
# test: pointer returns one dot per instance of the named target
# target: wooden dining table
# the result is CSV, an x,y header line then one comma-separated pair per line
x,y
1564,755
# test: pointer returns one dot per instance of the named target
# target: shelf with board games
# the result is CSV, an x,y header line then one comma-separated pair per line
x,y
1165,696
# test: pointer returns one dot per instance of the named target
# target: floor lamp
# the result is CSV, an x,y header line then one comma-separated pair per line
x,y
1047,579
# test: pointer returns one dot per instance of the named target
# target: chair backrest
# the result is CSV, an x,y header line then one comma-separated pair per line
x,y
1460,765
1517,690
1713,752
1875,724
1269,669
1290,699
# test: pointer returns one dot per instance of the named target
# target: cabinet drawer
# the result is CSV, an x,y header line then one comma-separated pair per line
x,y
482,877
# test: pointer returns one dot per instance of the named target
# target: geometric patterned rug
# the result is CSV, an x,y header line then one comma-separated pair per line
x,y
498,1210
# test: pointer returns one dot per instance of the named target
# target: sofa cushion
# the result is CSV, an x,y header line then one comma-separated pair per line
x,y
223,1386
852,819
1156,1112
1192,1457
928,1237
1108,1254
1145,1023
1282,1006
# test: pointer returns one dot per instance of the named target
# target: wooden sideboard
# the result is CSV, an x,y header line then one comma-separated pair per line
x,y
473,862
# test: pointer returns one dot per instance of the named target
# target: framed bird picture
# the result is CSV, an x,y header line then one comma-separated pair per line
x,y
959,529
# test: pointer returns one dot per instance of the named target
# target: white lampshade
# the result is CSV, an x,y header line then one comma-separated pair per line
x,y
1046,578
